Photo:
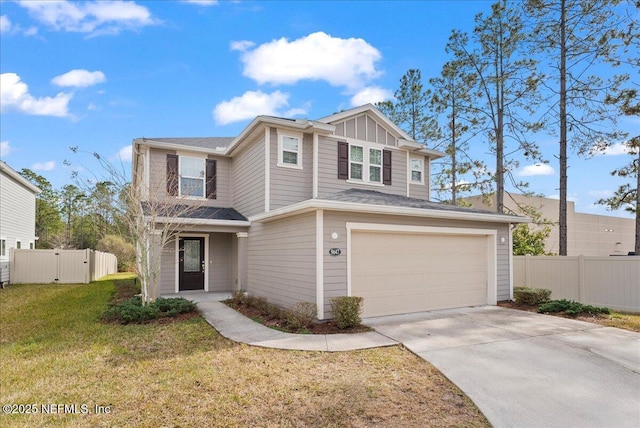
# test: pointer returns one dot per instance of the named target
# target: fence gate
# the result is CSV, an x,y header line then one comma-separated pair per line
x,y
47,266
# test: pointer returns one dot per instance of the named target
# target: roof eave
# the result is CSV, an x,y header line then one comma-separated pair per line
x,y
20,179
314,204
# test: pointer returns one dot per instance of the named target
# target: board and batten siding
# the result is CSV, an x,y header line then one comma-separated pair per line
x,y
282,260
365,128
335,267
328,182
247,177
290,185
158,179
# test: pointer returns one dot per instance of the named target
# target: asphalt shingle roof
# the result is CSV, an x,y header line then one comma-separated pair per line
x,y
373,197
203,212
203,142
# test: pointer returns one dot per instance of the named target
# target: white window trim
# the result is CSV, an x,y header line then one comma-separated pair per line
x,y
375,166
18,245
411,159
32,245
4,256
281,162
204,177
366,163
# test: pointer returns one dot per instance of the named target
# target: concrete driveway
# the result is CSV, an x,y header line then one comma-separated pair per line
x,y
529,370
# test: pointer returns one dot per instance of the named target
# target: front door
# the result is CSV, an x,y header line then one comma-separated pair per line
x,y
191,261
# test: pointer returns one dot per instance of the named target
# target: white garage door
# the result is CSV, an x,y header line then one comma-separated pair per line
x,y
399,273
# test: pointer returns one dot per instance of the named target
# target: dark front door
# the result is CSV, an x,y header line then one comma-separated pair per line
x,y
191,260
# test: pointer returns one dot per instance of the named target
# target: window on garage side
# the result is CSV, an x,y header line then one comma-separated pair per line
x,y
375,165
290,151
417,170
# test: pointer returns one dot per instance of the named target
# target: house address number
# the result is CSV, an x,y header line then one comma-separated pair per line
x,y
334,251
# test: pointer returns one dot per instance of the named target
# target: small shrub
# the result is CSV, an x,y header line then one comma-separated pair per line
x,y
238,298
531,296
346,311
132,310
571,308
301,315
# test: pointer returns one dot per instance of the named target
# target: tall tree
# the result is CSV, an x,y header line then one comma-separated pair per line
x,y
71,198
410,110
576,36
452,98
506,86
48,221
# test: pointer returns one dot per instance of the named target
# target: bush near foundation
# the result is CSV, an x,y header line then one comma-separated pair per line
x,y
347,310
133,311
531,296
571,308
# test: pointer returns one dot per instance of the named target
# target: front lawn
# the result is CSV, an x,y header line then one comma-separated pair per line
x,y
54,352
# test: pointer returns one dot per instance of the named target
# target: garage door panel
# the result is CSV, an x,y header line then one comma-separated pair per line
x,y
412,272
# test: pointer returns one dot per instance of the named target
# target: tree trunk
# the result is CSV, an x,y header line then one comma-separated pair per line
x,y
563,131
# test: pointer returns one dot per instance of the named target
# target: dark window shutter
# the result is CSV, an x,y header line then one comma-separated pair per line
x,y
172,175
211,179
386,167
343,160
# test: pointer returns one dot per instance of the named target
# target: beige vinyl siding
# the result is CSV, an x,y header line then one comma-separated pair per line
x,y
365,128
158,179
220,262
290,185
329,183
419,191
335,267
248,177
281,260
167,280
234,262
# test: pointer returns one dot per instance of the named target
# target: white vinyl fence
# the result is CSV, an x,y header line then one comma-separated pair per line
x,y
613,282
60,266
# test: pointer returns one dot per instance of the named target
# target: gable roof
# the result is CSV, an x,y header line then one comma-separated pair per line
x,y
371,109
10,172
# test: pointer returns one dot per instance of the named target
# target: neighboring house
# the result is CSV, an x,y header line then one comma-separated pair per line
x,y
587,234
17,216
312,210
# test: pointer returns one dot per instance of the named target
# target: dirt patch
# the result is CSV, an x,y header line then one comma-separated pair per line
x,y
281,324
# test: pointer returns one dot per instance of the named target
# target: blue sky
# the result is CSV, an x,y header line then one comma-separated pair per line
x,y
98,74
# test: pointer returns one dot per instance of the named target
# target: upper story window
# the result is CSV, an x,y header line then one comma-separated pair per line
x,y
290,151
3,247
18,245
356,161
375,165
364,163
189,176
417,170
31,246
192,177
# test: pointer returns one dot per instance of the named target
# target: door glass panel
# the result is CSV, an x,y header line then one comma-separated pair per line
x,y
191,255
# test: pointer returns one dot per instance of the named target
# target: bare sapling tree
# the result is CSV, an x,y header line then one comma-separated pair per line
x,y
152,214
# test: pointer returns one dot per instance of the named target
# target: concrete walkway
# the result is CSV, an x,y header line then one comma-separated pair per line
x,y
235,326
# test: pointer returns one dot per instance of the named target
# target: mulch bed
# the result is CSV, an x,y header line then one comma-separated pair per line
x,y
281,324
593,318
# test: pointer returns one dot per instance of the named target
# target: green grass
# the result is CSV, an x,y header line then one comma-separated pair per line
x,y
53,349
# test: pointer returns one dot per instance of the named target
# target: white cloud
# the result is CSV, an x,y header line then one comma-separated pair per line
x,y
79,78
241,45
124,154
371,94
97,17
250,105
14,95
613,150
5,24
202,2
536,169
318,56
43,166
5,149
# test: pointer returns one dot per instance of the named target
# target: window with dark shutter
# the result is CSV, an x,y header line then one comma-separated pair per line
x,y
172,175
211,178
386,167
343,160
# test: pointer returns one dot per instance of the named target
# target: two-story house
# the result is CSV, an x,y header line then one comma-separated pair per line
x,y
306,210
17,216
